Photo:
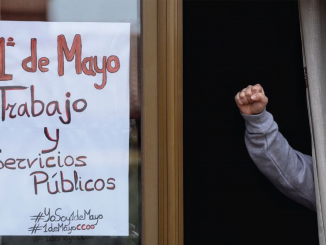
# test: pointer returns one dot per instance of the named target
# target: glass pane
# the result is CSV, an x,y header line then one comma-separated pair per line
x,y
93,11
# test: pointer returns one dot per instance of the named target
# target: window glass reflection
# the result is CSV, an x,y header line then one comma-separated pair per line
x,y
93,11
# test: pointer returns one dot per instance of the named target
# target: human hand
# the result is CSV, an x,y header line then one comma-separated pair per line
x,y
251,100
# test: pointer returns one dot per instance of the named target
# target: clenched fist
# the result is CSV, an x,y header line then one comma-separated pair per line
x,y
251,100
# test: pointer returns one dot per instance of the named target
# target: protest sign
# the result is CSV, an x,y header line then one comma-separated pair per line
x,y
64,140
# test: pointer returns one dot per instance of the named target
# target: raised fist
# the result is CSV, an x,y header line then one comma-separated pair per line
x,y
251,100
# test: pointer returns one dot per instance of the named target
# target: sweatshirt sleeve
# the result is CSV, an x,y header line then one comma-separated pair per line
x,y
289,170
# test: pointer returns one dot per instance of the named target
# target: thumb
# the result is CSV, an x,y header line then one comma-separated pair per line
x,y
259,97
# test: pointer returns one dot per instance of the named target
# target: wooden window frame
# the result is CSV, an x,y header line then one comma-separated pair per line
x,y
162,123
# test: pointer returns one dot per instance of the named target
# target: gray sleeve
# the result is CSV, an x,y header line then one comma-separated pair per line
x,y
289,170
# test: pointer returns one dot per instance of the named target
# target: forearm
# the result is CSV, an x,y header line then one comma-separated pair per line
x,y
289,170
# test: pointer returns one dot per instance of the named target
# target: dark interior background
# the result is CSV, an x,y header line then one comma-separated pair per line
x,y
227,46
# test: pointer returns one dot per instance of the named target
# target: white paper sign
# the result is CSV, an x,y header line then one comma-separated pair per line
x,y
64,128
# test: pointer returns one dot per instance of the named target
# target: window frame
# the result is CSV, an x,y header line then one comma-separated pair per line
x,y
162,123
